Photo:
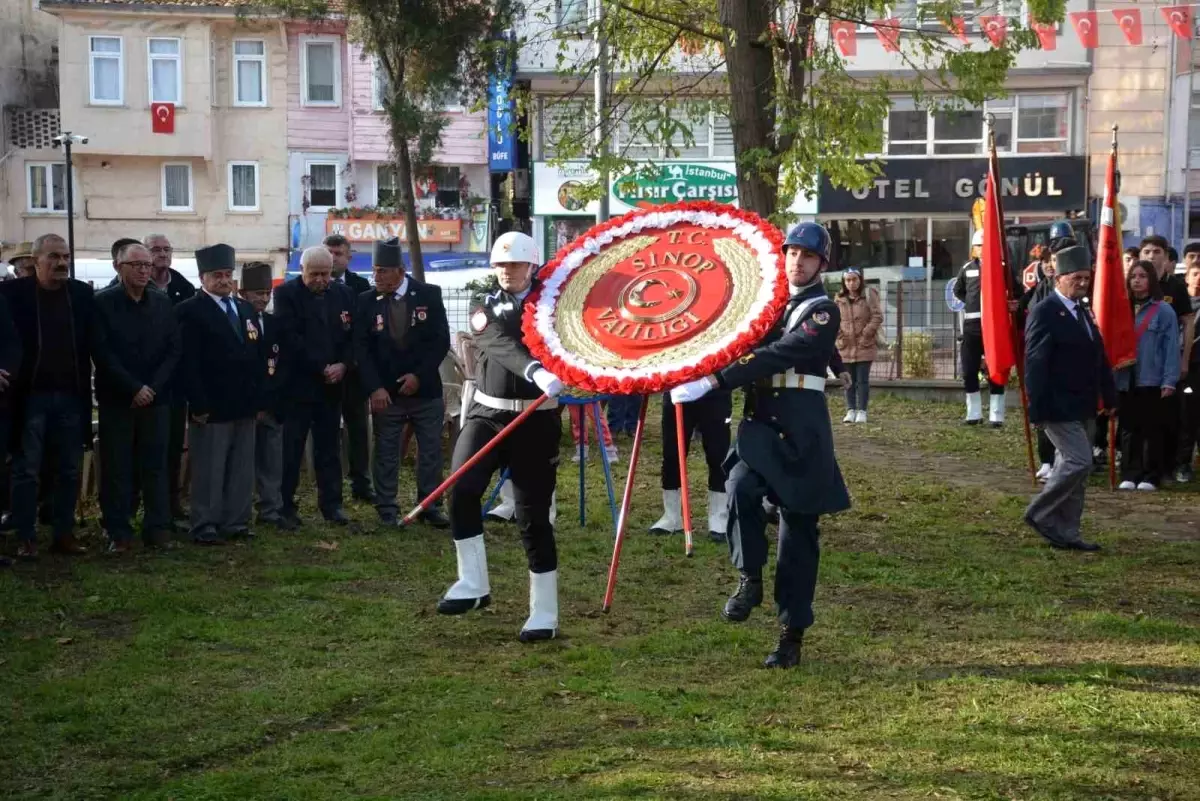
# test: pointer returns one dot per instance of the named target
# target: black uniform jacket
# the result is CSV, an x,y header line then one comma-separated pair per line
x,y
355,282
425,344
505,364
221,372
274,365
21,294
316,333
1066,372
968,289
10,355
785,435
137,345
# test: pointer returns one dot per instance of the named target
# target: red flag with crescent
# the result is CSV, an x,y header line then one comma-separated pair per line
x,y
1047,34
1086,27
888,31
162,118
1110,301
1130,21
958,27
996,320
846,35
995,28
1180,20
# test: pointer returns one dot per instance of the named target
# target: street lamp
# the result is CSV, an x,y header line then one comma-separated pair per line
x,y
66,139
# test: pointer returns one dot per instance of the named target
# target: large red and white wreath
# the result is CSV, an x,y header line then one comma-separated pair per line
x,y
657,297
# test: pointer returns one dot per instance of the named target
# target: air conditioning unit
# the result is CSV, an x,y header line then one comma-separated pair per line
x,y
521,183
1131,213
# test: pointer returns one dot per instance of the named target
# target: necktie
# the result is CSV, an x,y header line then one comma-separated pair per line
x,y
1081,318
232,314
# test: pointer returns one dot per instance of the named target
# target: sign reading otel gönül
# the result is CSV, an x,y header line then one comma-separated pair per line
x,y
915,186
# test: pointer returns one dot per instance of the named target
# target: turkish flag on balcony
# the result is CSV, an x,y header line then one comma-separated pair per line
x,y
1046,33
846,36
162,118
1180,20
995,28
1130,20
1087,28
888,31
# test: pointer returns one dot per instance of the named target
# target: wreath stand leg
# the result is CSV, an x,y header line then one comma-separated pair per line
x,y
681,443
491,501
581,451
608,484
623,517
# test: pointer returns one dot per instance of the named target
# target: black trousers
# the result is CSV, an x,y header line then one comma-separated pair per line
x,y
798,552
972,358
531,453
1189,403
1141,420
322,418
1045,448
1169,431
176,433
710,415
354,415
133,462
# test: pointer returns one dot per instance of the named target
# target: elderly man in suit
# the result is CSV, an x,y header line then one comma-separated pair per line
x,y
354,398
400,338
221,374
255,289
1066,373
316,316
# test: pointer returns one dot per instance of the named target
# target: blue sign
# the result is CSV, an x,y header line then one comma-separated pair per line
x,y
502,139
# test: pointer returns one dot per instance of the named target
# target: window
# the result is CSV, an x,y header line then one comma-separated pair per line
x,y
1024,124
106,71
321,72
572,14
250,72
166,71
46,188
1194,130
381,88
243,186
447,181
387,187
722,136
878,243
1042,123
566,126
322,186
177,187
907,129
958,132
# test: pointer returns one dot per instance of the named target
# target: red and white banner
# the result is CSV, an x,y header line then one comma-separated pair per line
x,y
1047,34
1087,27
1180,20
845,35
958,27
888,31
162,118
1130,22
995,28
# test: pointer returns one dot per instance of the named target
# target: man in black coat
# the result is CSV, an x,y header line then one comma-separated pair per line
x,y
1066,373
354,398
255,289
10,363
401,337
136,350
55,319
316,316
221,373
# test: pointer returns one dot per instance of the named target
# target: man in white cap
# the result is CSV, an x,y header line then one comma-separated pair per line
x,y
508,380
967,288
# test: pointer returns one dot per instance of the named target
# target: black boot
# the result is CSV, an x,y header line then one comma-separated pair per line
x,y
748,595
787,652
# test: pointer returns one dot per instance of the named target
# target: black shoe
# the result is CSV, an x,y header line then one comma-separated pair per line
x,y
366,496
289,521
337,517
269,520
787,652
1075,545
434,517
239,534
749,594
972,422
208,538
537,635
716,536
389,521
994,424
460,606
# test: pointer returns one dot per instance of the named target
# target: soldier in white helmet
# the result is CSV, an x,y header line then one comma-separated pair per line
x,y
968,289
507,381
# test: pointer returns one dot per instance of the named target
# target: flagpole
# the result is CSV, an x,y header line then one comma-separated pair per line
x,y
1017,338
1112,421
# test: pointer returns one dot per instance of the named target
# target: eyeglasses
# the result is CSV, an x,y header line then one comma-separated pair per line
x,y
161,250
138,265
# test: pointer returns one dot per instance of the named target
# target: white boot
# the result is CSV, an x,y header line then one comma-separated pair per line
x,y
614,456
718,516
996,410
862,416
472,590
543,608
506,509
850,417
974,408
672,519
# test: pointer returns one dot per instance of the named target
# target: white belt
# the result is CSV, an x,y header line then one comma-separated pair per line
x,y
973,316
509,404
972,273
793,380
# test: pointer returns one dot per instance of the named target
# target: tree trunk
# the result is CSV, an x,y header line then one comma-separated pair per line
x,y
408,201
749,63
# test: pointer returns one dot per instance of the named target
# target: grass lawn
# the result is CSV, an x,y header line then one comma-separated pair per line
x,y
954,656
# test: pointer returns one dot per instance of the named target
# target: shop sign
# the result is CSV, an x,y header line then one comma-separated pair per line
x,y
930,186
370,229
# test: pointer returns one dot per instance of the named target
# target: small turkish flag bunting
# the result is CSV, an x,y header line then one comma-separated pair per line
x,y
1086,28
1130,20
995,28
888,31
846,36
1047,35
958,27
162,118
1180,20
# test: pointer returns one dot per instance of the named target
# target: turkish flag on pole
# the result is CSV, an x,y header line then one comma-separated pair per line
x,y
1110,302
995,28
1047,35
888,31
1087,28
162,118
1130,20
1180,20
846,35
994,280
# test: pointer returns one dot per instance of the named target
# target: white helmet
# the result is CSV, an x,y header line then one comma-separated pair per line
x,y
977,239
515,246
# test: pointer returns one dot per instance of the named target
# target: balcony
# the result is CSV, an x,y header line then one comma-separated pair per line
x,y
30,128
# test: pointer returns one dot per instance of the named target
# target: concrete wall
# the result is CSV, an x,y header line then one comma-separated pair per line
x,y
28,56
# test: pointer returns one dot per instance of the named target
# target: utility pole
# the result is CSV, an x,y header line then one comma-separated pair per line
x,y
601,107
66,139
1187,150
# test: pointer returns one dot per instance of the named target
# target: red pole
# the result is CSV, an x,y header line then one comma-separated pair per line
x,y
453,478
681,443
626,499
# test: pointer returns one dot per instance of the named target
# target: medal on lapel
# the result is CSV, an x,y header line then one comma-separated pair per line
x,y
379,322
251,331
271,366
345,316
421,313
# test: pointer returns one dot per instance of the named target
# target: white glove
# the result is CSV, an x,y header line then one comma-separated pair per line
x,y
692,390
547,382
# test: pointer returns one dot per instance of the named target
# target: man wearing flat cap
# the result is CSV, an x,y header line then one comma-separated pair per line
x,y
221,373
255,289
1067,375
21,260
400,339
